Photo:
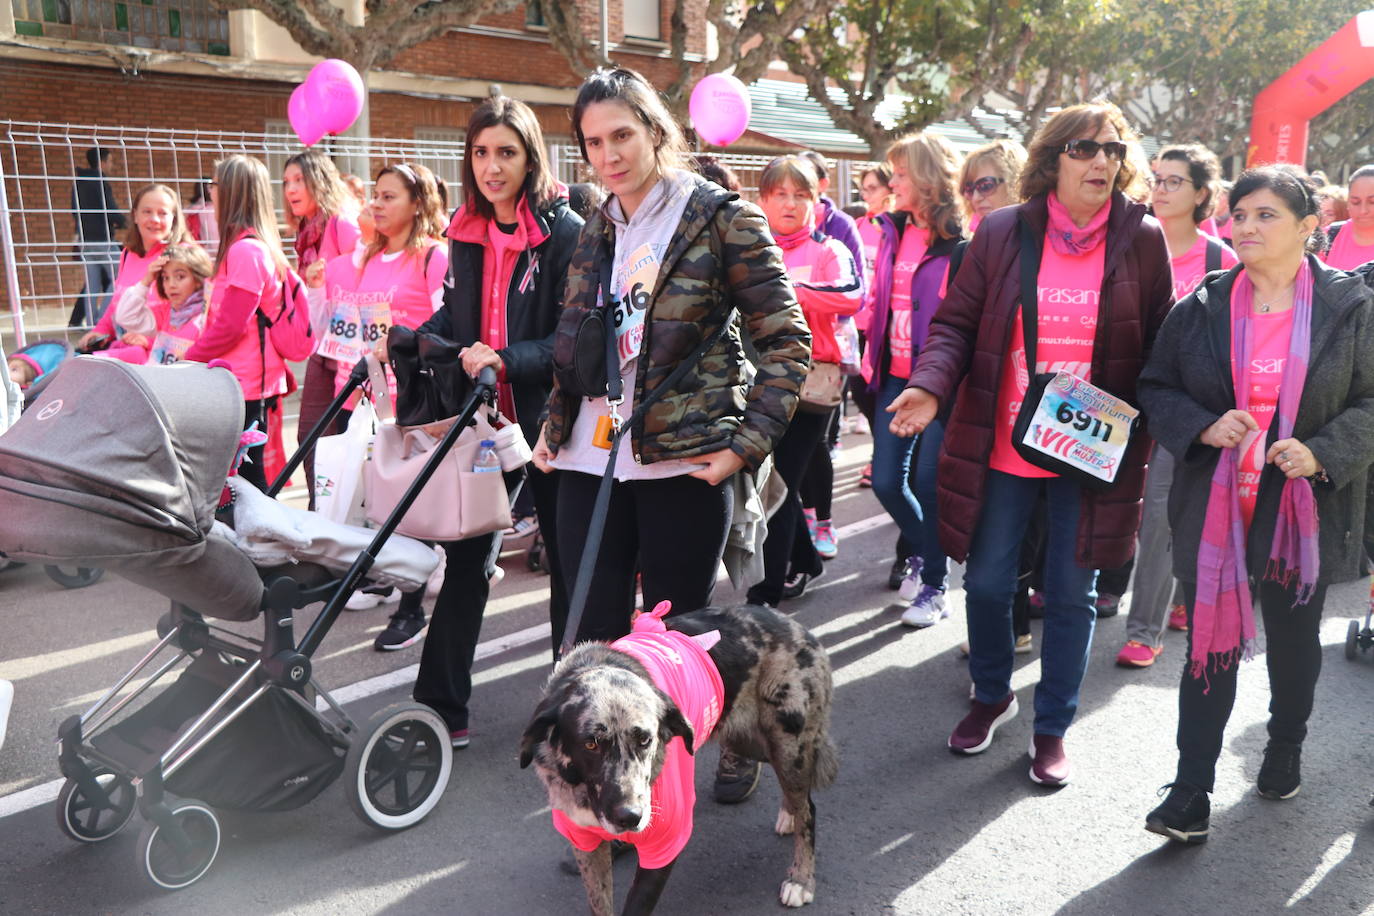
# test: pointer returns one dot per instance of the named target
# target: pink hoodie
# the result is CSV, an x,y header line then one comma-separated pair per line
x,y
827,284
681,667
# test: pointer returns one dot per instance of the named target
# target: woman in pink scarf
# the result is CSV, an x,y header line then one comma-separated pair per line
x,y
1261,385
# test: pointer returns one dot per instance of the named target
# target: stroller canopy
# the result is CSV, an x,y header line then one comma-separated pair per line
x,y
117,465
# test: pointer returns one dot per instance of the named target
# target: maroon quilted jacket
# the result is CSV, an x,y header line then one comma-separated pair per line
x,y
970,336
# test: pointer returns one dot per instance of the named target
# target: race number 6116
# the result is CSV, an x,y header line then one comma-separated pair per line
x,y
1081,420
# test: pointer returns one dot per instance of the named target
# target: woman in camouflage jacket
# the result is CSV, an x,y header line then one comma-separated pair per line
x,y
686,256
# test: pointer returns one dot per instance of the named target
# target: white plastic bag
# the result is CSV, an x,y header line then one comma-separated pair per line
x,y
339,464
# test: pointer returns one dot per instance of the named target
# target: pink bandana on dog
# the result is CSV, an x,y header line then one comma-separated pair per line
x,y
681,667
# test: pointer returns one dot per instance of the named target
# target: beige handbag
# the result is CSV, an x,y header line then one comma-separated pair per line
x,y
457,502
823,388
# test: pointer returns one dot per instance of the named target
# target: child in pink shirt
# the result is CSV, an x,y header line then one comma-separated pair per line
x,y
164,313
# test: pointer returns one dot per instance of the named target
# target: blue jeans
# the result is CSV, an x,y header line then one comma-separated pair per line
x,y
913,510
990,586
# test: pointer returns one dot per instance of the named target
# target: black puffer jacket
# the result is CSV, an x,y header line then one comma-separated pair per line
x,y
1187,386
534,299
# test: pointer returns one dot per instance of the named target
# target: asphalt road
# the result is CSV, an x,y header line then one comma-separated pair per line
x,y
908,828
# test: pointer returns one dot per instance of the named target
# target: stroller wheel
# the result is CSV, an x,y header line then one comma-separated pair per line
x,y
89,820
398,766
74,576
176,862
1352,640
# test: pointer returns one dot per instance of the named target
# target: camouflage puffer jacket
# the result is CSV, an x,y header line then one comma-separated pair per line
x,y
723,402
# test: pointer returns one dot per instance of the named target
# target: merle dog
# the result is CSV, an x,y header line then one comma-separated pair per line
x,y
600,734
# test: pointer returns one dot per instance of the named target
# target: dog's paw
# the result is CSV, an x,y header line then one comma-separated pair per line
x,y
785,825
794,894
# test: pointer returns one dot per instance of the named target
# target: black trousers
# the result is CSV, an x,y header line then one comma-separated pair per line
x,y
818,481
1293,654
787,528
543,493
671,531
444,682
252,469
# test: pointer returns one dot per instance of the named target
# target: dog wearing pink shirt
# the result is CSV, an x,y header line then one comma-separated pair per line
x,y
615,735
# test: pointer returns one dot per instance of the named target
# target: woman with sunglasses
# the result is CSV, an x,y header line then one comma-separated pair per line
x,y
1183,183
987,180
1262,386
1103,290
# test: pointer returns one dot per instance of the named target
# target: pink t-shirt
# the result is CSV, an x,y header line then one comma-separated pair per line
x,y
1268,354
870,234
909,253
391,290
1069,290
680,666
232,335
1345,253
132,269
1191,266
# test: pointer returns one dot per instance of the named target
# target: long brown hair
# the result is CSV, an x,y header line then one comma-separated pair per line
x,y
177,235
623,85
244,204
540,186
323,183
933,165
428,224
1041,174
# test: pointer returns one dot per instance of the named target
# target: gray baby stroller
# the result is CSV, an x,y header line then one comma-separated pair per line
x,y
244,724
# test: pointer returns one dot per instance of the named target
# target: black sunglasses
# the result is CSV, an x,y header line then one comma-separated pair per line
x,y
1084,150
984,186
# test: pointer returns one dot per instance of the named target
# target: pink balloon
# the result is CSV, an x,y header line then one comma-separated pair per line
x,y
335,92
302,118
720,109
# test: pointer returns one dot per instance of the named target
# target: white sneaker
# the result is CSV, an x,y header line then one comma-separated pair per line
x,y
497,574
6,698
927,610
911,584
364,601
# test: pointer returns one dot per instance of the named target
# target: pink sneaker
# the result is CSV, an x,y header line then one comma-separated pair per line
x,y
1049,763
974,732
1178,618
1137,655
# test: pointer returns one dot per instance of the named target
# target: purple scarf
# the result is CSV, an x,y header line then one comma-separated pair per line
x,y
1223,615
1065,235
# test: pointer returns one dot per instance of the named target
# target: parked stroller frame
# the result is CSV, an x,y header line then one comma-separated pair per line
x,y
396,765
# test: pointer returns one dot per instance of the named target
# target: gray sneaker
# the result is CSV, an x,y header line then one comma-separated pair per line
x,y
927,609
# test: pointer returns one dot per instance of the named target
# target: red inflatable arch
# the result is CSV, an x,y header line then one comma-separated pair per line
x,y
1338,66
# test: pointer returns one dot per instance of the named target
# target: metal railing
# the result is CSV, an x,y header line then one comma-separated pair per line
x,y
44,270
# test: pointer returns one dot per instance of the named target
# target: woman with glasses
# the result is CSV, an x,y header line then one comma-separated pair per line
x,y
1101,272
1183,182
987,180
1262,386
908,286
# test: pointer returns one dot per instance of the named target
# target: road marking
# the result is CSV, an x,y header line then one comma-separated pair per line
x,y
36,796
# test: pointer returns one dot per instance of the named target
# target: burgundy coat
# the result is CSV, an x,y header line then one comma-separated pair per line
x,y
970,337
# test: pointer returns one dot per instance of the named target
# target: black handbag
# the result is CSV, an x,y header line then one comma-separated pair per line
x,y
581,360
431,384
1040,381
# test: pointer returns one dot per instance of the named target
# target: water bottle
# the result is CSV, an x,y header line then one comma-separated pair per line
x,y
487,459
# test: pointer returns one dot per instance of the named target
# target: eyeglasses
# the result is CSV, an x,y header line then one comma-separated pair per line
x,y
1170,183
983,186
1084,150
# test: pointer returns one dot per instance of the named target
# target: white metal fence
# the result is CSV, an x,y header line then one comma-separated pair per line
x,y
44,270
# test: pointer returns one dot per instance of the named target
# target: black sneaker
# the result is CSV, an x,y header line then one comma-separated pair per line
x,y
897,573
1280,775
404,630
1184,816
796,583
736,778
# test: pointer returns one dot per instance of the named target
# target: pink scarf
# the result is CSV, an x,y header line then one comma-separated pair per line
x,y
793,239
1223,615
1065,235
